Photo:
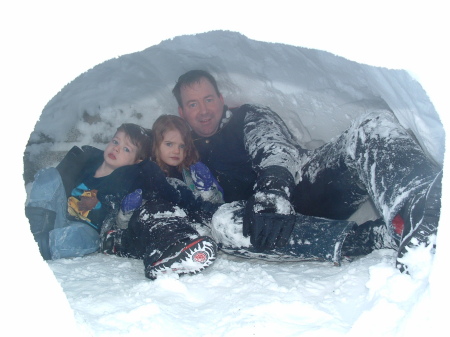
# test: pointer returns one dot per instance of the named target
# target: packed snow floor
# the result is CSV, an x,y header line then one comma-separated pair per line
x,y
238,297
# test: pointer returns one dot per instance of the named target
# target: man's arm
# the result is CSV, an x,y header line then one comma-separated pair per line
x,y
269,215
269,142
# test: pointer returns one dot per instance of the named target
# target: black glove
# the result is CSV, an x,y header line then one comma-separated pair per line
x,y
269,220
269,215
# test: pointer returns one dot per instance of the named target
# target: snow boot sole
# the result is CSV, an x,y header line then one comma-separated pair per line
x,y
189,257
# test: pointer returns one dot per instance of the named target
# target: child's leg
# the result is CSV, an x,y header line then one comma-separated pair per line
x,y
48,193
46,207
76,240
161,235
152,229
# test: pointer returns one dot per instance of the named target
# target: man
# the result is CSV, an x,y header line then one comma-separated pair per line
x,y
276,190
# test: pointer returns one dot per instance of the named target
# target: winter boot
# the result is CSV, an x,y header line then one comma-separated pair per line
x,y
190,256
111,242
364,238
42,221
421,217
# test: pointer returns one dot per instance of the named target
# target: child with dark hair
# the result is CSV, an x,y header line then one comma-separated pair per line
x,y
67,204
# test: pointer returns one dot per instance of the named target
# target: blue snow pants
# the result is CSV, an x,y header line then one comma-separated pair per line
x,y
68,238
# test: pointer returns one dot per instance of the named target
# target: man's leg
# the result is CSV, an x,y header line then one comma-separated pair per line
x,y
312,238
328,188
374,158
421,215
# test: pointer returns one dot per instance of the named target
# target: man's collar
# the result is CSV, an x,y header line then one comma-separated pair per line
x,y
226,116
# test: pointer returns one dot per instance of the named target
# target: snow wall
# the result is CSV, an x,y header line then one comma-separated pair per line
x,y
317,93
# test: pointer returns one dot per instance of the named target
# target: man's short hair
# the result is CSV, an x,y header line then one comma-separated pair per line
x,y
140,137
191,77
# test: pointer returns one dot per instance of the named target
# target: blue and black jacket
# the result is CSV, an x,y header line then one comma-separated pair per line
x,y
78,169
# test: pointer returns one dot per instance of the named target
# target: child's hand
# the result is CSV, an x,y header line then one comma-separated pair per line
x,y
132,201
201,176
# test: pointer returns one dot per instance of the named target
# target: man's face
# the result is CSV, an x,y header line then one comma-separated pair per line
x,y
202,108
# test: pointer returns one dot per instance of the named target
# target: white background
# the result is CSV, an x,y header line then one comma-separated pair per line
x,y
46,44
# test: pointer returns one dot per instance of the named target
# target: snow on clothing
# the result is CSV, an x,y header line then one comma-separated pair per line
x,y
197,177
237,154
253,151
158,222
53,186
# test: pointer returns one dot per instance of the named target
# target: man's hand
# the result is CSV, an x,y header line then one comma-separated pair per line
x,y
268,220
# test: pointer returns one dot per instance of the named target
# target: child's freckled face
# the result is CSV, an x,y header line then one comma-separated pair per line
x,y
172,148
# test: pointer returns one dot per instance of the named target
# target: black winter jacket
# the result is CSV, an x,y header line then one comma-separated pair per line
x,y
252,142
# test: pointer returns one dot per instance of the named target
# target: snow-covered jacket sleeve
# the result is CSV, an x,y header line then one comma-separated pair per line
x,y
272,148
